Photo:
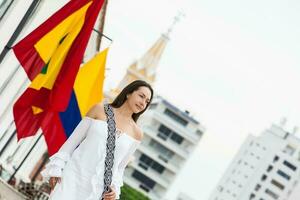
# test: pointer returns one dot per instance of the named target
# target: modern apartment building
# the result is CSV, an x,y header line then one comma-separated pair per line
x,y
170,136
266,167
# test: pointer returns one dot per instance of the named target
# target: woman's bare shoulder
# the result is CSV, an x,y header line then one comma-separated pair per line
x,y
97,111
138,132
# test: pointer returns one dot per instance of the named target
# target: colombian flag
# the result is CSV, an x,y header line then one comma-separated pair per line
x,y
87,91
51,56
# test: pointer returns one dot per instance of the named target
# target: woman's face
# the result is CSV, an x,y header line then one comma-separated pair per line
x,y
139,99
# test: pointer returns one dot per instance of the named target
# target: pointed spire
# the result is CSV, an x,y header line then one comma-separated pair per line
x,y
148,63
145,67
175,21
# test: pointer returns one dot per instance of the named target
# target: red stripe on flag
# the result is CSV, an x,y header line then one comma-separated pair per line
x,y
26,122
66,78
53,131
25,51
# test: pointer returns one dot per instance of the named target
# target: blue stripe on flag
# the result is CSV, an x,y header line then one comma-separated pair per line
x,y
71,117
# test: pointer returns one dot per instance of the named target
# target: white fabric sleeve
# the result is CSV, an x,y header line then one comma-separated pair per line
x,y
117,182
58,160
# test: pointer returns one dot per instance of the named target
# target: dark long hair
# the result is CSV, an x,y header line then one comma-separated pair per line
x,y
130,88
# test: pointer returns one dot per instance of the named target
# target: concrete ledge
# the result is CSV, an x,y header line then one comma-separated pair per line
x,y
7,192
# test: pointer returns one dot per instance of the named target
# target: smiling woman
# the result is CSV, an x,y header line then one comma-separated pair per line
x,y
74,174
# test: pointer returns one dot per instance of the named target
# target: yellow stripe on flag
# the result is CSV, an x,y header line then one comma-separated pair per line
x,y
50,48
88,85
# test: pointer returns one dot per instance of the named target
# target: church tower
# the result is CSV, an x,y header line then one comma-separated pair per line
x,y
145,67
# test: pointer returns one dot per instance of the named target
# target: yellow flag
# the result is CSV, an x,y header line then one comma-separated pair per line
x,y
88,85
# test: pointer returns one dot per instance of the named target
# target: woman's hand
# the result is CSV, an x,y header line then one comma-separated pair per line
x,y
111,195
53,181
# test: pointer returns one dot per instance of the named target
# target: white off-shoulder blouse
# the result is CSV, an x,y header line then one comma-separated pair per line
x,y
80,162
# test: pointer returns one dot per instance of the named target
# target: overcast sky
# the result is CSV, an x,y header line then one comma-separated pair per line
x,y
233,64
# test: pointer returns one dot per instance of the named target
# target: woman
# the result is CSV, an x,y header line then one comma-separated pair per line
x,y
76,171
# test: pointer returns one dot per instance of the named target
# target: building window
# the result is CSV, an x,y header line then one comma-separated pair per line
x,y
257,187
147,183
199,132
4,6
164,133
276,158
175,117
164,153
277,184
290,165
220,188
270,168
289,150
283,174
144,187
158,167
146,162
264,177
152,105
177,138
272,194
144,166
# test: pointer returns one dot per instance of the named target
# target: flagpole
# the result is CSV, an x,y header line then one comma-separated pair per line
x,y
11,137
20,165
45,158
19,28
102,34
101,25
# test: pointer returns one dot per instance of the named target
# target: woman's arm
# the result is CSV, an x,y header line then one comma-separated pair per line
x,y
118,178
57,161
117,182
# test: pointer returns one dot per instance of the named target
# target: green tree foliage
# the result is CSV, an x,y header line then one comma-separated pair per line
x,y
128,193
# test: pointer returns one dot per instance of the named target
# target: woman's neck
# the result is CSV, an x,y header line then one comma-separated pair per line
x,y
124,111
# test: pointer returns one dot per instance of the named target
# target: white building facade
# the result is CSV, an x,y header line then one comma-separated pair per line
x,y
265,168
170,136
183,196
295,193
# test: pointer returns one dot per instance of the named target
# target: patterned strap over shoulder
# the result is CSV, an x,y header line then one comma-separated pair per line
x,y
110,147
